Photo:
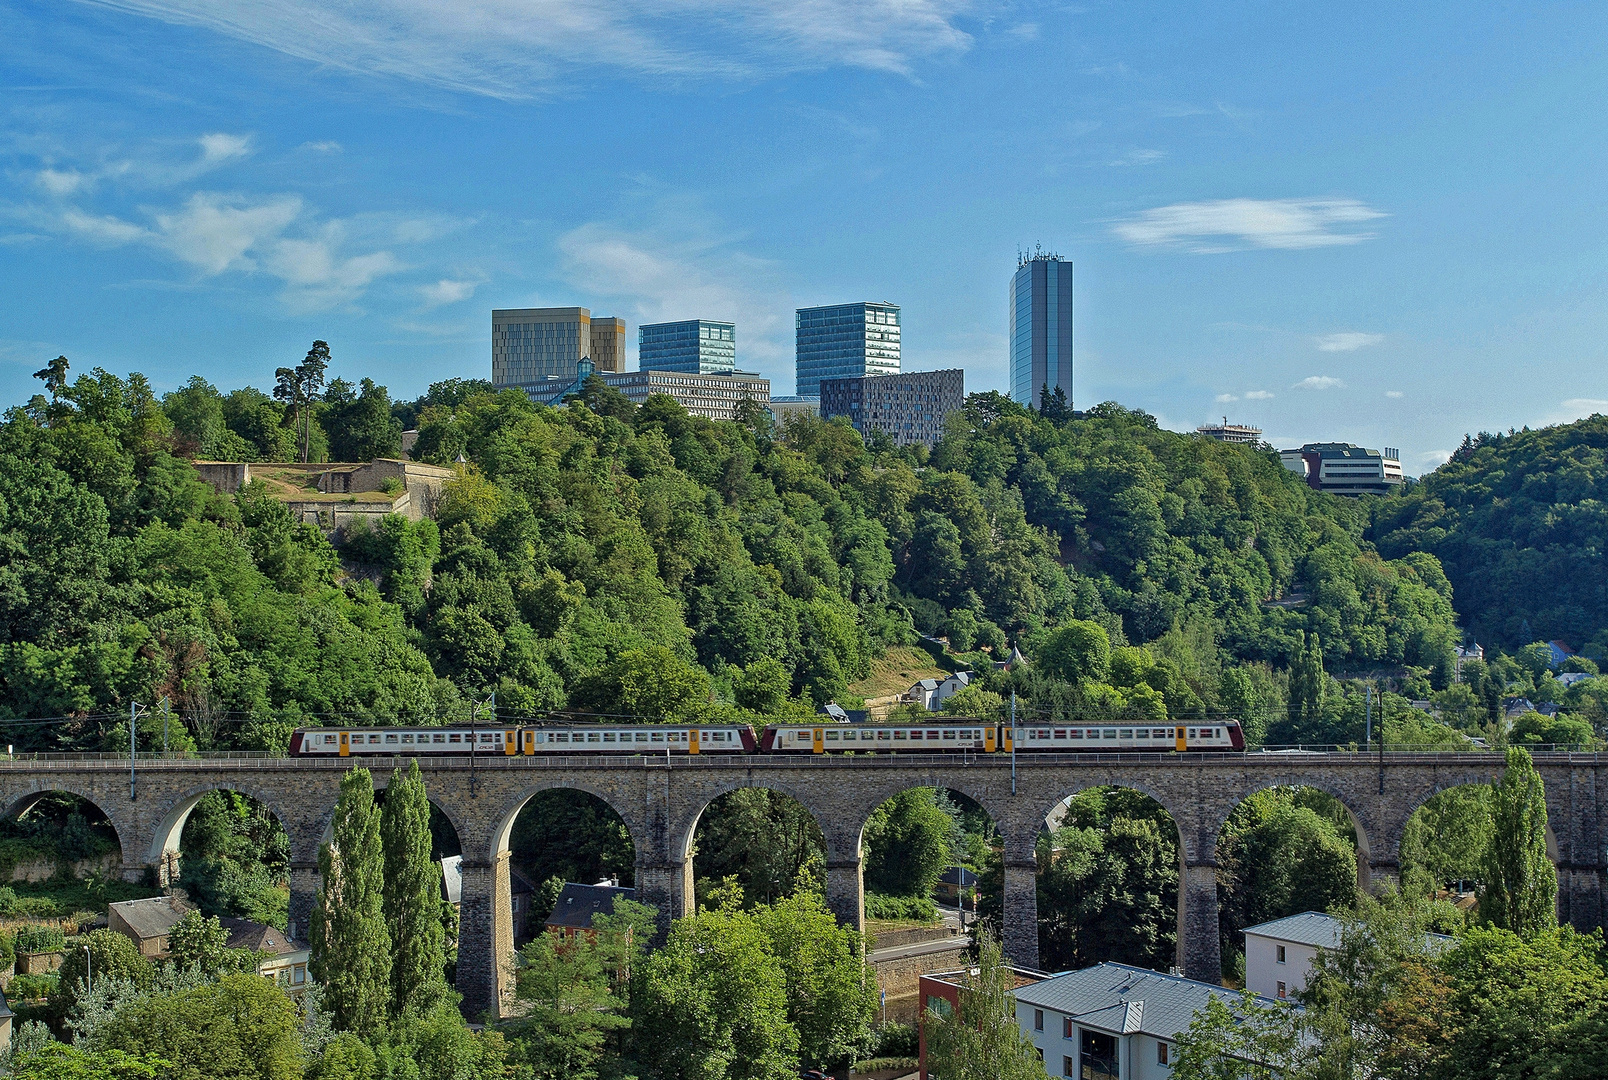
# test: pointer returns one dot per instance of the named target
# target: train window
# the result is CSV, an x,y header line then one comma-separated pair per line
x,y
407,738
376,738
932,734
717,736
329,740
609,736
949,736
1125,733
1191,733
1110,733
390,738
831,736
1160,733
867,736
658,736
884,736
1075,733
1060,733
594,736
677,736
485,737
1142,733
898,735
455,737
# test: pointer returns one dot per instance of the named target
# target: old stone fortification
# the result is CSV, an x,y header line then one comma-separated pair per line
x,y
334,495
661,800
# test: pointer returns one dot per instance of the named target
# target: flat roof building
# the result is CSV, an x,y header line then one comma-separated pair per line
x,y
715,397
1231,433
843,341
1041,328
1345,468
909,408
530,346
694,346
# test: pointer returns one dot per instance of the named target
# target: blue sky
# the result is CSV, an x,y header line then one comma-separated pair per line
x,y
1377,223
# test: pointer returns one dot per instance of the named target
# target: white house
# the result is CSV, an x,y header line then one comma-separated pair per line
x,y
949,688
1279,954
1112,1021
923,693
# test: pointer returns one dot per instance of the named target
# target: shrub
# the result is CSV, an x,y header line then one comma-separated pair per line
x,y
920,908
31,987
897,1040
34,938
8,900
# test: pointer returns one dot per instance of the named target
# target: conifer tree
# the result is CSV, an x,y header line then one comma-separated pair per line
x,y
412,895
351,948
982,1040
1521,887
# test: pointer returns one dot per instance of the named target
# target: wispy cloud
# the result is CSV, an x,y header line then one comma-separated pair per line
x,y
1319,382
1258,395
1349,341
520,48
323,146
220,147
1224,399
1236,224
447,291
1393,393
1435,457
1139,157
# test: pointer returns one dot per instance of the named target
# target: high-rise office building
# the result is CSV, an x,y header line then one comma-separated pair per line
x,y
695,346
1041,328
844,341
608,343
532,346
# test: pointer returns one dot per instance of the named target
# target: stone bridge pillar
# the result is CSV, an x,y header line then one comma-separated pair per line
x,y
304,883
845,891
666,884
1199,938
1019,932
485,937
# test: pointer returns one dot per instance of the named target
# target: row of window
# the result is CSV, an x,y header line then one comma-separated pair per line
x,y
890,735
1099,1049
1119,733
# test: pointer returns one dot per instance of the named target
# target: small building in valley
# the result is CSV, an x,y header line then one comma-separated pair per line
x,y
578,905
284,961
148,922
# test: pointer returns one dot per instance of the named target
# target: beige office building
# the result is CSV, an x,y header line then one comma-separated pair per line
x,y
531,346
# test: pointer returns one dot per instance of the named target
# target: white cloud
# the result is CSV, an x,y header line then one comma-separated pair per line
x,y
1140,157
516,48
1319,382
1435,457
220,147
1027,31
1235,224
323,146
214,232
1349,341
1224,399
1258,395
447,291
61,182
1393,393
105,230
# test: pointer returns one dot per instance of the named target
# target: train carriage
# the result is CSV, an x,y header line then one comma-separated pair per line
x,y
526,741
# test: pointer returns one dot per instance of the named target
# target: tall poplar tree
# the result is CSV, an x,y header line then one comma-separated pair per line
x,y
351,948
412,895
982,1040
1521,886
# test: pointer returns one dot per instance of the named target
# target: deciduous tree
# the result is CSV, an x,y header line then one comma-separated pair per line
x,y
981,1040
1521,886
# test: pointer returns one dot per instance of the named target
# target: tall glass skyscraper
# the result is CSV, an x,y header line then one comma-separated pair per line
x,y
1041,328
694,347
846,340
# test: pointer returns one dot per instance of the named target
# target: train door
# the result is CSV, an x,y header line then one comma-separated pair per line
x,y
692,741
530,742
820,741
1007,739
1180,743
346,744
510,743
990,734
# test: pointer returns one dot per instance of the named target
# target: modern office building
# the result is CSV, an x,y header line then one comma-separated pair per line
x,y
911,408
1345,468
844,341
1231,433
713,396
695,346
1041,328
532,346
793,405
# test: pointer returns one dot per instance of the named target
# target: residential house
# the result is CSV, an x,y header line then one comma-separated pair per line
x,y
284,960
948,688
1279,954
148,922
1559,652
953,885
578,905
922,693
1516,706
6,1016
1569,678
1461,653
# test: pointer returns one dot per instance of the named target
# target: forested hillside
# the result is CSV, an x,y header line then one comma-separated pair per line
x,y
607,558
1520,522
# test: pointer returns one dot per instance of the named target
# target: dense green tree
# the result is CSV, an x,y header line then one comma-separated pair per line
x,y
1446,840
239,1028
359,422
1521,885
1077,652
236,859
351,945
110,956
56,1061
831,994
198,941
765,840
572,836
411,895
571,1007
909,841
981,1040
712,1004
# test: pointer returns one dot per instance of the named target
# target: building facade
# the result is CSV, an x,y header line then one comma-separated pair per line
x,y
910,408
845,341
695,347
1239,434
793,405
1345,468
1041,328
715,397
533,346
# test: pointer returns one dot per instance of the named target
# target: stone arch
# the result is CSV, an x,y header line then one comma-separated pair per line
x,y
1099,780
684,825
382,781
503,825
870,797
169,827
1367,831
16,804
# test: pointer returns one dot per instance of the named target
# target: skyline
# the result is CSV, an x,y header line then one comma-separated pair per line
x,y
1380,229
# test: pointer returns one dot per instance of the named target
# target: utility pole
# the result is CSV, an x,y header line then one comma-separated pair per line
x,y
1367,730
133,717
1381,744
1013,742
167,712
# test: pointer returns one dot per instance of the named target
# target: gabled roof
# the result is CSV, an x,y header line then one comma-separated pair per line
x,y
577,904
1308,928
1120,999
258,937
928,685
153,917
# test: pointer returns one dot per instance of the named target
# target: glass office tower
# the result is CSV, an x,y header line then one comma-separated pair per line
x,y
1041,328
693,347
846,340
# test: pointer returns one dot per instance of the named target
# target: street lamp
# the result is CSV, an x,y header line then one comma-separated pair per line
x,y
89,971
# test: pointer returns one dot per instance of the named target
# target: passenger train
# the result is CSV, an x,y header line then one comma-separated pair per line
x,y
938,736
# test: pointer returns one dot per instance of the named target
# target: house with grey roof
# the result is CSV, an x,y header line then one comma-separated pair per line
x,y
147,922
283,959
578,905
1112,1021
1279,954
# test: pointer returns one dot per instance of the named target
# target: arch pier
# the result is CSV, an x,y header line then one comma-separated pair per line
x,y
660,802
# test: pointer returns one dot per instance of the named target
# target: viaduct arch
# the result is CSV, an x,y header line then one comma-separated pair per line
x,y
661,801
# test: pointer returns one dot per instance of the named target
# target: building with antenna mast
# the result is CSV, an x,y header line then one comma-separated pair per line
x,y
1041,327
1231,433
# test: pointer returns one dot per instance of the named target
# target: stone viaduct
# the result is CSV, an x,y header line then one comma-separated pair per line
x,y
660,800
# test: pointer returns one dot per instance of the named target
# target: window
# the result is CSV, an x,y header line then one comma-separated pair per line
x,y
1038,1019
1282,992
1281,953
329,740
1163,1053
390,738
1067,1066
939,1006
409,738
1067,1031
1099,1052
299,976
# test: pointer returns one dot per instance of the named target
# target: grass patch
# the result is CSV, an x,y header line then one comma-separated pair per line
x,y
896,670
887,926
882,1063
61,898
